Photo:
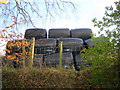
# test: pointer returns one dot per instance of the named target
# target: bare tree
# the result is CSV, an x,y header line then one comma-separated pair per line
x,y
22,11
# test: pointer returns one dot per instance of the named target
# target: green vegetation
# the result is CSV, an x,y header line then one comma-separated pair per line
x,y
104,56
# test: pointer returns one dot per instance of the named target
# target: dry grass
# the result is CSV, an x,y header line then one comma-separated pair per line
x,y
44,78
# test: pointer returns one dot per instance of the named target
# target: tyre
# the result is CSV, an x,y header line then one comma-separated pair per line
x,y
71,44
38,33
83,33
53,60
45,46
38,60
45,42
59,33
78,61
89,43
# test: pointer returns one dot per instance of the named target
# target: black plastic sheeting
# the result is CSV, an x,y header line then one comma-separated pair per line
x,y
78,61
38,60
71,44
53,60
45,46
59,33
89,43
83,33
46,42
35,32
47,49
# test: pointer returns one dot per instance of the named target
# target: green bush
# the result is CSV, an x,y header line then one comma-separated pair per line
x,y
104,56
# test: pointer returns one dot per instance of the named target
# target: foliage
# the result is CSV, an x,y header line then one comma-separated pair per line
x,y
105,53
17,50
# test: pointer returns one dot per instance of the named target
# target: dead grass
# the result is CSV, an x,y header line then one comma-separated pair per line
x,y
58,78
44,78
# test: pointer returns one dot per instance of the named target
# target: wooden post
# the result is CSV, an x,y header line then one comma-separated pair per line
x,y
30,60
23,53
60,57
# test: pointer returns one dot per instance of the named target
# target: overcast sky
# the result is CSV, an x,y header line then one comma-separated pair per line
x,y
81,17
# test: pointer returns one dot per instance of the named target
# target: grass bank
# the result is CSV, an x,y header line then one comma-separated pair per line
x,y
60,78
44,78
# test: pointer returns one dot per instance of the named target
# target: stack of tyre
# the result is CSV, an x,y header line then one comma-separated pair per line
x,y
47,46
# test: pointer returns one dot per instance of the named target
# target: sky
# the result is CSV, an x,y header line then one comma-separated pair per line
x,y
81,17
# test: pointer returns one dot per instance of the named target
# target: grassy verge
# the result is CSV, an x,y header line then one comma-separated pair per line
x,y
60,78
43,78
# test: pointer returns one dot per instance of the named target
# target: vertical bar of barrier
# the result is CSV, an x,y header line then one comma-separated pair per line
x,y
23,52
30,61
60,57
